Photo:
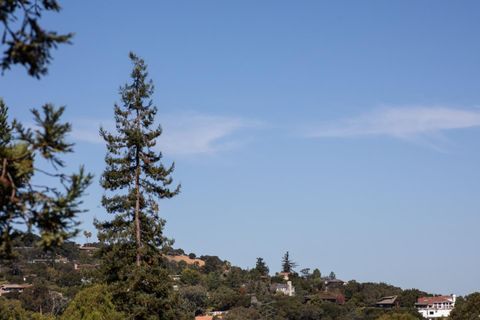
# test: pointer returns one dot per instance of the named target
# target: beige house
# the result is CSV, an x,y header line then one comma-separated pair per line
x,y
12,287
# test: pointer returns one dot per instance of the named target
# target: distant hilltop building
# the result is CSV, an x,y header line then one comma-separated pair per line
x,y
212,315
388,302
84,266
88,249
435,307
333,284
58,259
337,298
13,288
285,288
284,275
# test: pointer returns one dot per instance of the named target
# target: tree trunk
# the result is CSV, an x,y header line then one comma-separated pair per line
x,y
137,196
137,209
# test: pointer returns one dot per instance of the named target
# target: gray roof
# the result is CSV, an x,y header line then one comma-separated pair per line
x,y
279,286
387,300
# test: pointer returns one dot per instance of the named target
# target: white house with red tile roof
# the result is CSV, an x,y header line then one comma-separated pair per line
x,y
435,307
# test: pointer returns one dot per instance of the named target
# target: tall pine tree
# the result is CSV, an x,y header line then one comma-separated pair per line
x,y
134,171
132,243
287,264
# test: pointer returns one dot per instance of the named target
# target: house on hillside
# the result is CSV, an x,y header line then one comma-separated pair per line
x,y
284,288
88,249
337,298
175,277
58,259
388,302
84,266
435,307
218,314
284,275
212,314
13,288
333,284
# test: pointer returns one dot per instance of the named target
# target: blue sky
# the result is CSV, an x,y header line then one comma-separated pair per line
x,y
343,131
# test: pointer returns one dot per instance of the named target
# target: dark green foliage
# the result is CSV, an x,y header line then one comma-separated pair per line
x,y
409,297
69,250
195,299
176,252
242,313
134,172
235,277
51,208
66,276
42,299
287,264
27,239
399,316
146,293
213,264
305,272
12,310
92,303
36,298
5,128
261,267
367,294
214,280
316,280
191,277
132,243
225,298
288,307
467,308
28,44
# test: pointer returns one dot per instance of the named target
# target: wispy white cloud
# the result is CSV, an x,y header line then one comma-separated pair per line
x,y
193,133
183,134
87,130
400,122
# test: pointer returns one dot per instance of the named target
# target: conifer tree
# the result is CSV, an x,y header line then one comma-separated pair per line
x,y
50,208
132,243
261,267
134,170
287,264
26,41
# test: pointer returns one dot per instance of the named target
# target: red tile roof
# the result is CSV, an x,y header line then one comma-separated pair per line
x,y
437,299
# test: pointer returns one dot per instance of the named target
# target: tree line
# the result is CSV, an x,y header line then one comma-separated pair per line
x,y
130,278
